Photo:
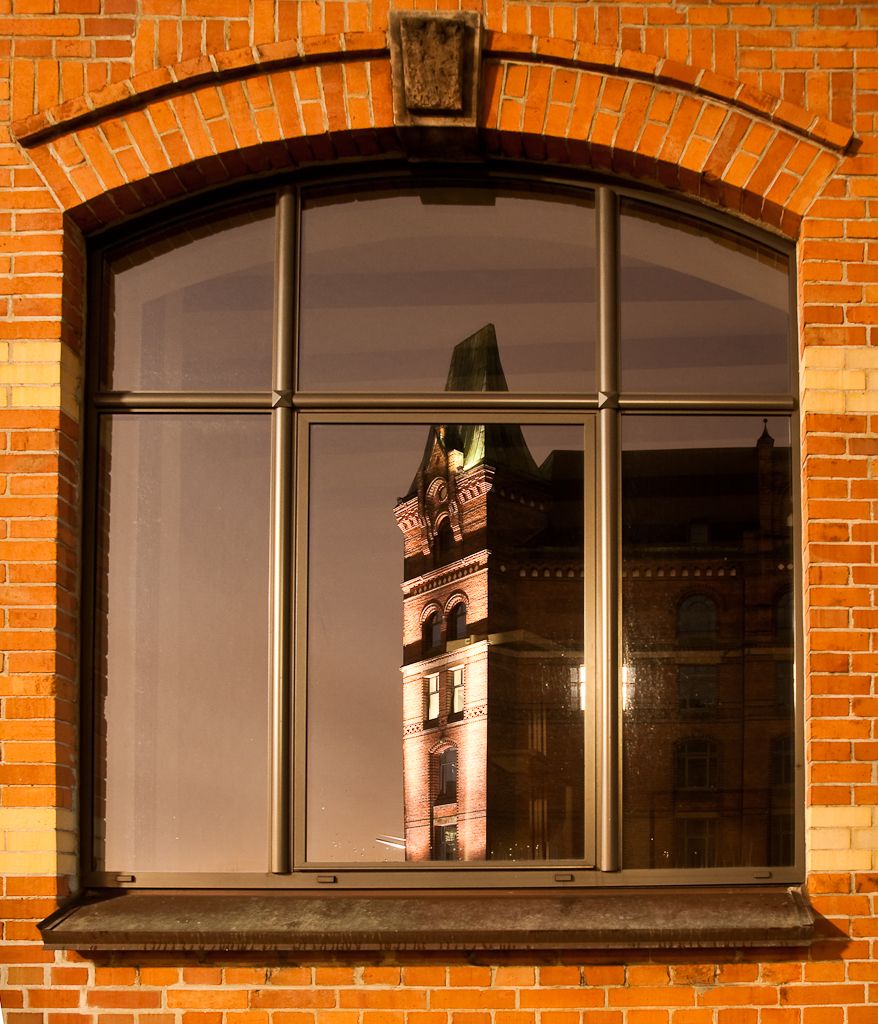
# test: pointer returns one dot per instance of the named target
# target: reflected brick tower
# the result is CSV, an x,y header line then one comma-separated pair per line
x,y
492,626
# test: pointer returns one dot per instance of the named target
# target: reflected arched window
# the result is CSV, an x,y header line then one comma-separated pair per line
x,y
444,540
457,622
447,771
695,764
696,617
431,633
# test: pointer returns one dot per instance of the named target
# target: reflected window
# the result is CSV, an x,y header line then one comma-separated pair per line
x,y
783,684
696,842
431,633
445,842
695,764
782,760
432,702
457,622
456,676
783,616
697,689
782,838
447,776
696,618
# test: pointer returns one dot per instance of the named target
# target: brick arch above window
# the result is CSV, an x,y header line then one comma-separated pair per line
x,y
159,135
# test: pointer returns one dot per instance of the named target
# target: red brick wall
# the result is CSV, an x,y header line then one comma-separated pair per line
x,y
766,110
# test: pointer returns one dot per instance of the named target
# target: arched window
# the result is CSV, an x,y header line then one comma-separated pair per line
x,y
457,622
446,766
696,618
429,315
444,541
695,764
431,633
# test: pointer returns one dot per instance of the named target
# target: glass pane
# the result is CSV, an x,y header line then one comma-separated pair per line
x,y
703,310
473,750
390,282
194,309
182,664
707,677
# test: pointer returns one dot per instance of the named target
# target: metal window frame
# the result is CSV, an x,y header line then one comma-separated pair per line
x,y
292,412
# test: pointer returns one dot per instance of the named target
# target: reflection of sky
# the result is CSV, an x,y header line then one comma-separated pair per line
x,y
648,433
387,282
699,314
199,315
354,776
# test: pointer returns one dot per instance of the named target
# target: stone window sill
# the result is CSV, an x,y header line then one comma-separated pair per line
x,y
252,920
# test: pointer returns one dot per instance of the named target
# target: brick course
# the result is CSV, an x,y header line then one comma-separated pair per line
x,y
768,110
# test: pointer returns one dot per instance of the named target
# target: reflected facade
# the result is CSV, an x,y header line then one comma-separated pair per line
x,y
493,727
708,644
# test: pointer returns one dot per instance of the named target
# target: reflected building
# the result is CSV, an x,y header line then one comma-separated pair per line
x,y
494,742
492,638
708,745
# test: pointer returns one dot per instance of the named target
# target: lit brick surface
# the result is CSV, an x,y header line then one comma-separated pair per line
x,y
109,106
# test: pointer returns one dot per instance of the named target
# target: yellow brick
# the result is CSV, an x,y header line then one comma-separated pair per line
x,y
65,842
70,405
823,401
833,380
860,357
830,839
815,356
27,818
864,838
29,373
863,401
36,398
840,860
15,863
36,841
66,865
4,351
827,816
66,820
36,352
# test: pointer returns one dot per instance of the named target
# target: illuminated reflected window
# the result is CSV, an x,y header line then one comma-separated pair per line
x,y
432,710
456,679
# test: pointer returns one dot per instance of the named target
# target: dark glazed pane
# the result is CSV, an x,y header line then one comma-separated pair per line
x,y
474,751
194,309
707,677
391,282
703,310
182,617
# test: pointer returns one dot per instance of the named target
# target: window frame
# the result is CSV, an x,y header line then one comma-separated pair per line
x,y
600,413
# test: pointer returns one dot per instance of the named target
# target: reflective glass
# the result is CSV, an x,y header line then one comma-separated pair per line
x,y
471,750
703,310
194,309
390,281
707,674
182,621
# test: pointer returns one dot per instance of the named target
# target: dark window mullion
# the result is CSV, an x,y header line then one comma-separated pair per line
x,y
608,527
282,437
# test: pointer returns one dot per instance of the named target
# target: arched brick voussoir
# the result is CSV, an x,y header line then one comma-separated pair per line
x,y
648,129
252,111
